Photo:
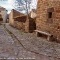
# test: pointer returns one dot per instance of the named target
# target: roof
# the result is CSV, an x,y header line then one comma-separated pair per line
x,y
2,8
17,14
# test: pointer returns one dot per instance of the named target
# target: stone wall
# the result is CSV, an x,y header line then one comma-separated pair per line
x,y
11,20
3,13
14,14
21,21
48,17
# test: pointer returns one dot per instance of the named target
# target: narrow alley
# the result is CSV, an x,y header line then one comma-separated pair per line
x,y
10,48
18,45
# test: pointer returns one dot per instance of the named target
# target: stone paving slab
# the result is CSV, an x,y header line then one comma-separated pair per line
x,y
39,45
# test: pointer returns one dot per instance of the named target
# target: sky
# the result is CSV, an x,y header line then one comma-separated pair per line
x,y
8,4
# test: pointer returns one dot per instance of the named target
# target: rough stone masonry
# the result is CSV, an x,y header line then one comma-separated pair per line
x,y
48,17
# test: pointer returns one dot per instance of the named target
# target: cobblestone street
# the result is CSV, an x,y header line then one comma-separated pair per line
x,y
17,45
10,48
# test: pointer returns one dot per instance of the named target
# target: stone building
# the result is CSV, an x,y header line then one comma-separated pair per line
x,y
22,21
48,17
14,14
3,14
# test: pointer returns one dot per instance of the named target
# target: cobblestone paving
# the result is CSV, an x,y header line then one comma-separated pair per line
x,y
10,48
43,49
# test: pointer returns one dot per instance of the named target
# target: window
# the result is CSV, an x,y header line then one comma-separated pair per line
x,y
49,14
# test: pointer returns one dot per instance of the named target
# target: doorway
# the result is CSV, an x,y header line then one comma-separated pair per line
x,y
1,19
32,25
